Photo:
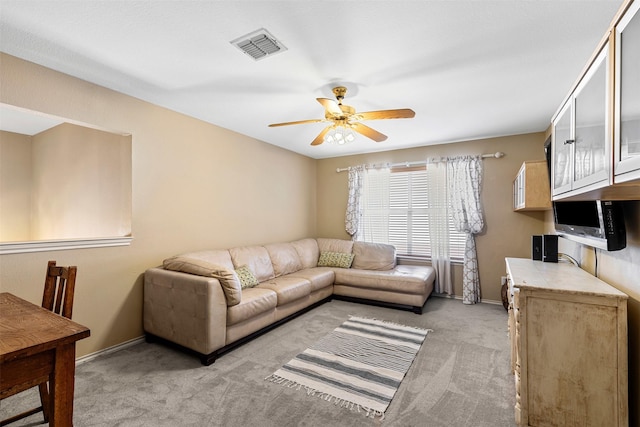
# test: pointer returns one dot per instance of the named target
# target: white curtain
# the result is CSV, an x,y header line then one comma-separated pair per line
x,y
464,176
438,228
354,208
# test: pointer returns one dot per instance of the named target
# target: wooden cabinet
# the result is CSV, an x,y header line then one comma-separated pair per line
x,y
596,130
568,334
627,96
531,187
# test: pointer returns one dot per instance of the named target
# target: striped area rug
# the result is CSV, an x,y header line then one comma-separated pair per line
x,y
359,365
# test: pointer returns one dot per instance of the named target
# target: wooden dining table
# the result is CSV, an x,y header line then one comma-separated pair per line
x,y
38,345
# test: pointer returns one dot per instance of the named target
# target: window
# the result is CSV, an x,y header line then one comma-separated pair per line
x,y
397,206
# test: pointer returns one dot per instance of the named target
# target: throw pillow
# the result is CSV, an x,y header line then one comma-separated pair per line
x,y
335,259
231,286
247,278
373,256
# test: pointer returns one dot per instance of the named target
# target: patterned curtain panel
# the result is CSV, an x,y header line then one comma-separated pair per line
x,y
438,226
353,214
464,176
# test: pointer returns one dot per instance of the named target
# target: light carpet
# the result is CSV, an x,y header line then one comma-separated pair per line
x,y
461,377
359,365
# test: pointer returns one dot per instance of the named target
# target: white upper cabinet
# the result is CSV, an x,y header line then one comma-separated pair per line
x,y
595,151
627,100
581,137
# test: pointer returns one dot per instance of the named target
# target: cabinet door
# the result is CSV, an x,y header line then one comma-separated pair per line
x,y
517,191
627,117
571,362
592,141
561,153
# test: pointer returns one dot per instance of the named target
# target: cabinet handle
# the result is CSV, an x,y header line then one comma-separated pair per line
x,y
569,141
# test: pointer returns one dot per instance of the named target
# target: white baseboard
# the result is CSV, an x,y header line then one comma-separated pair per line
x,y
108,350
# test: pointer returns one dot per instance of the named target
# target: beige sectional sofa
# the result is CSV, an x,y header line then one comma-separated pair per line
x,y
197,301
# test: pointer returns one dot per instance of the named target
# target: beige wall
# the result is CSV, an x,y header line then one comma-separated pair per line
x,y
81,184
15,186
622,270
507,233
195,186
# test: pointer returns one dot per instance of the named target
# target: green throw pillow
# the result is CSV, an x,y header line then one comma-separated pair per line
x,y
247,279
335,259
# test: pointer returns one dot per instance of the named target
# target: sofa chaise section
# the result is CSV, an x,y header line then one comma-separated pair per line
x,y
406,286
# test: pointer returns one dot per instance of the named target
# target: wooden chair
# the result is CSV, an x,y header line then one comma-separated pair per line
x,y
59,286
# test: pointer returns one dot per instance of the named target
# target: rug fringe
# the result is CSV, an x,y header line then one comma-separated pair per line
x,y
343,403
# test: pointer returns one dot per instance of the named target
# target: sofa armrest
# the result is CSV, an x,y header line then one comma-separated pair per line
x,y
186,309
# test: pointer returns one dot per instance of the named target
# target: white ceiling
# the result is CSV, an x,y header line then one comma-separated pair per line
x,y
25,122
469,69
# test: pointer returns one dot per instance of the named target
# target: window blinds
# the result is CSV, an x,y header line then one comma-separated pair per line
x,y
395,210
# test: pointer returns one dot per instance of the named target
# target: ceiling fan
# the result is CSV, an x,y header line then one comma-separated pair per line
x,y
345,116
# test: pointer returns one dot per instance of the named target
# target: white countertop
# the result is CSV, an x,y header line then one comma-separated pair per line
x,y
557,277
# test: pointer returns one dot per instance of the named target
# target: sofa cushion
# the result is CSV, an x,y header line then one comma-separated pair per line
x,y
335,259
409,279
255,301
256,258
307,251
284,258
288,288
320,277
335,245
373,256
228,279
246,277
220,257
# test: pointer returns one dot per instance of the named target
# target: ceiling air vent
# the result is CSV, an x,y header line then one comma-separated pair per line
x,y
259,44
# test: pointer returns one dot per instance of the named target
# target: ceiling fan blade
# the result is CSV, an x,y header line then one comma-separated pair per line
x,y
299,122
403,113
320,138
331,106
368,132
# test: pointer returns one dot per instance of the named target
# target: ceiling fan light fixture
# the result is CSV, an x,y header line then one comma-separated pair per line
x,y
345,121
340,135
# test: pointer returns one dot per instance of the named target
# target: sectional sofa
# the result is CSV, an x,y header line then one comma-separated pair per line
x,y
209,302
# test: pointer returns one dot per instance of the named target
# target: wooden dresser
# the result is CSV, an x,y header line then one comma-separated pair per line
x,y
568,332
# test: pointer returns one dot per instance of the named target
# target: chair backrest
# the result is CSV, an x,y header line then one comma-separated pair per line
x,y
59,286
